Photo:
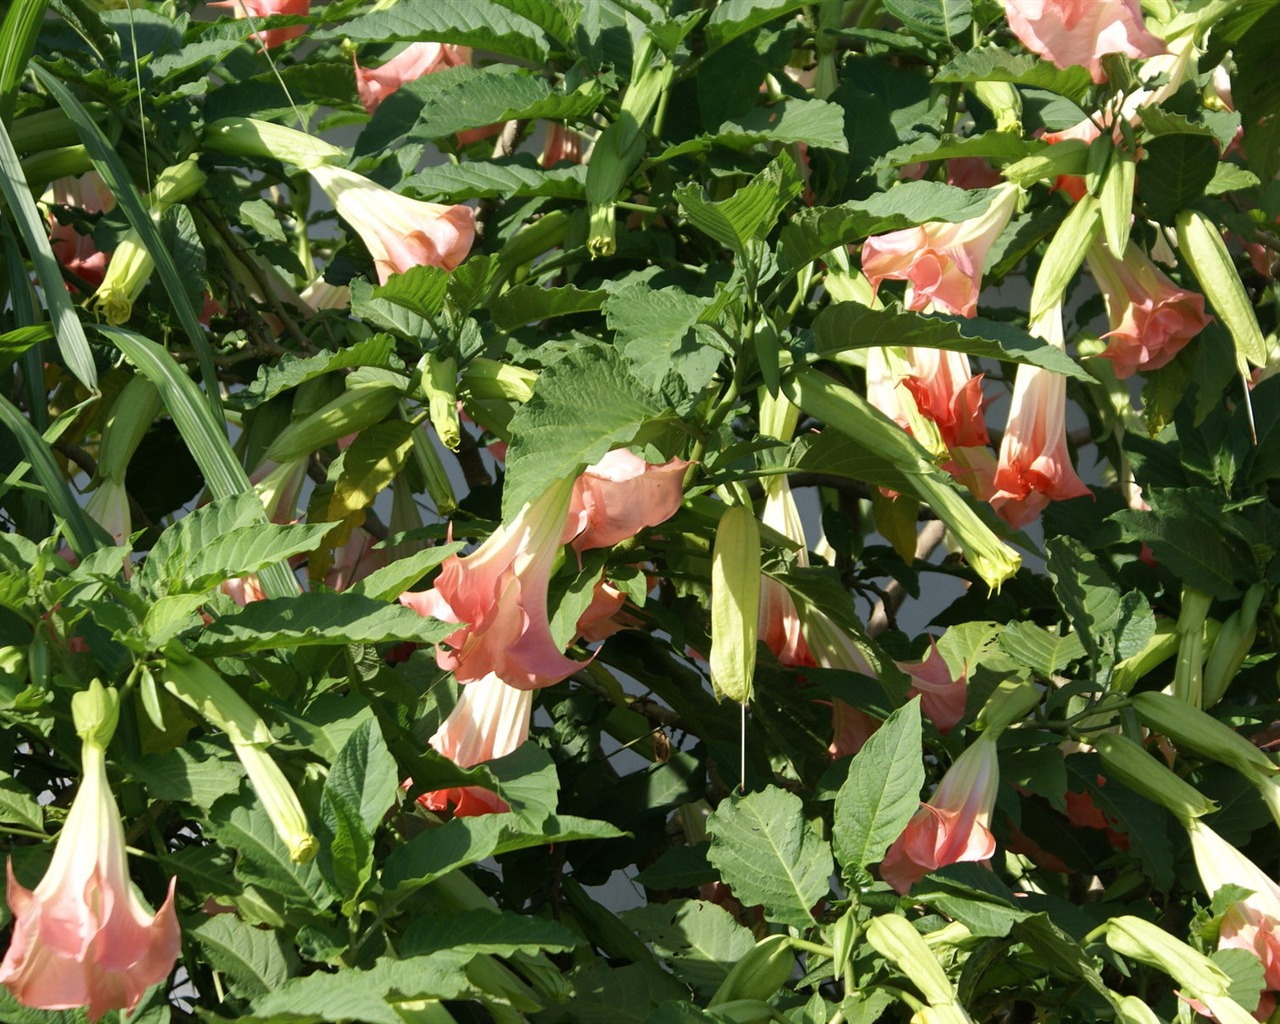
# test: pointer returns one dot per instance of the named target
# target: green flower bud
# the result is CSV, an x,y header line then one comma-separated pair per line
x,y
95,712
247,136
1232,646
1125,761
735,603
896,939
1194,730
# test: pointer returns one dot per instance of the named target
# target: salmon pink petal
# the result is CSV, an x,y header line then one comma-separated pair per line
x,y
1079,33
373,85
621,495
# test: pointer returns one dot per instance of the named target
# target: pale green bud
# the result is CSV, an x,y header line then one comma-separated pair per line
x,y
263,140
1232,646
735,603
895,939
1127,762
95,712
1206,254
127,274
1192,729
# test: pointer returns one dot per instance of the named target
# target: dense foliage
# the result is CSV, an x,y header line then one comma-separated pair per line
x,y
406,611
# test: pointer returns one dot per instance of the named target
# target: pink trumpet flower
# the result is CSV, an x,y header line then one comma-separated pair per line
x,y
1079,33
500,592
955,825
941,262
373,85
81,937
779,622
1152,319
1252,924
621,495
74,251
1035,466
490,720
942,698
562,144
264,9
399,232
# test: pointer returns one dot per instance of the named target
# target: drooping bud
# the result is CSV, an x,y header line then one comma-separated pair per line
x,y
1125,761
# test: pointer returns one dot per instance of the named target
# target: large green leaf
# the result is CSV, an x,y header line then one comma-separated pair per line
x,y
1043,650
498,933
882,791
769,854
1001,65
584,404
940,19
526,304
248,549
35,235
699,940
517,178
738,17
291,370
486,26
749,213
848,325
255,960
241,824
816,123
393,580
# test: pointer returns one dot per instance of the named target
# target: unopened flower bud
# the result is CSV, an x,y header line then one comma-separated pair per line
x,y
1125,761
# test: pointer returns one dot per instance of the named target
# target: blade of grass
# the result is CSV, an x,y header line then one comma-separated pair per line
x,y
200,430
35,235
57,493
113,172
18,36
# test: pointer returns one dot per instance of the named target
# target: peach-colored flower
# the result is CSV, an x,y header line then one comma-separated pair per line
x,y
81,937
779,622
562,144
621,495
1035,466
1152,319
955,825
355,560
942,698
243,590
265,9
417,59
851,728
499,594
1253,923
490,720
972,172
599,620
947,392
399,232
941,262
1079,33
74,251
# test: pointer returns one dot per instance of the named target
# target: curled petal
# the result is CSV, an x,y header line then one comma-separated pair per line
x,y
1079,33
621,495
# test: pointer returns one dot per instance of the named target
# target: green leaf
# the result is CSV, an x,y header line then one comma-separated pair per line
x,y
939,19
584,404
681,867
816,123
198,773
291,370
844,326
749,213
318,618
247,549
72,344
1194,548
241,824
978,901
485,26
527,304
203,434
528,781
1175,173
1087,594
393,580
1039,648
882,791
733,18
18,36
558,17
420,290
370,463
1143,822
255,960
657,330
498,933
371,996
700,941
167,562
769,854
1000,65
816,231
1000,146
462,98
519,177
1246,973
365,775
17,804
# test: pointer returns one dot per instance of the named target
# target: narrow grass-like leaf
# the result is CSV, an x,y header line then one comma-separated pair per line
x,y
109,165
60,498
202,432
22,23
35,234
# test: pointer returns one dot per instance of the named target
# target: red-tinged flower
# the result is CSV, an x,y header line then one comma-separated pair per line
x,y
265,9
490,720
779,622
1035,466
972,172
1253,923
399,232
955,825
81,937
1079,33
851,728
942,698
947,392
243,590
562,144
599,620
941,262
499,592
621,495
375,84
1152,319
74,251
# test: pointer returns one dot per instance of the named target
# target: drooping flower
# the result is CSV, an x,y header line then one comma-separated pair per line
x,y
779,622
74,251
562,144
941,262
399,232
374,85
265,9
354,560
1035,466
620,495
942,698
109,507
243,590
490,720
1079,33
954,825
499,593
1253,923
81,937
1152,319
599,621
